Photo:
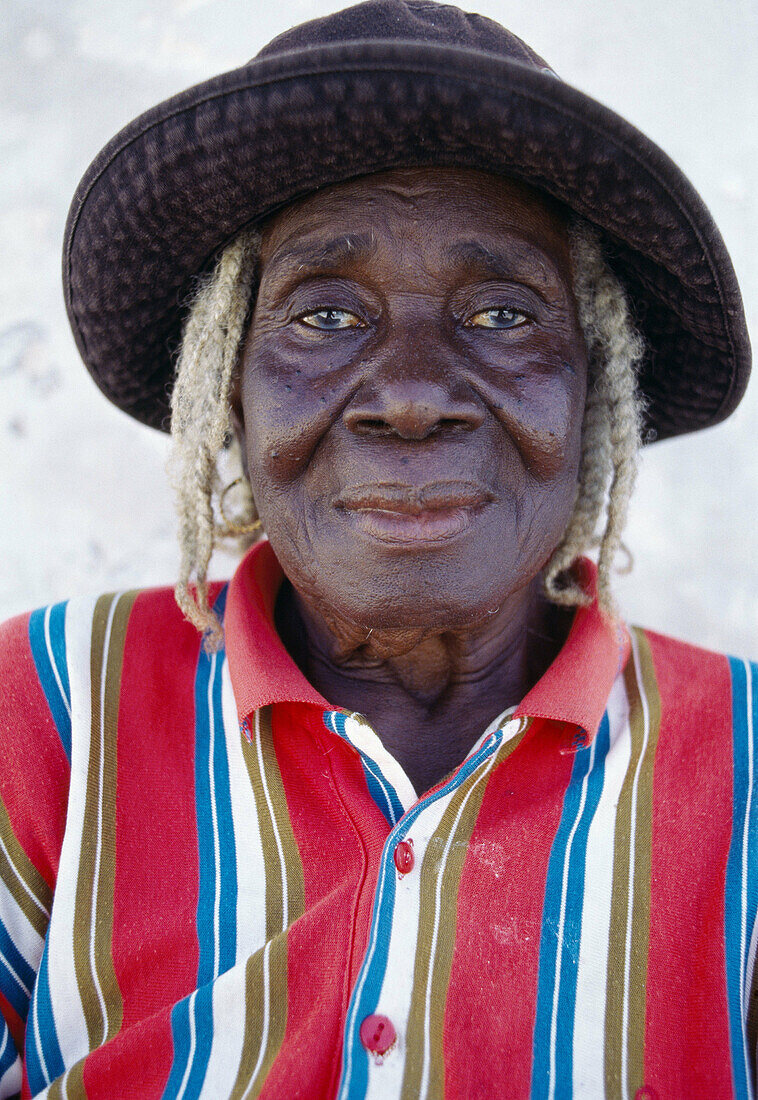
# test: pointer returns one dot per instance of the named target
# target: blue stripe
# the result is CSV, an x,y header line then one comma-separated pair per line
x,y
194,1012
741,896
12,960
381,790
217,855
368,986
41,1015
58,695
588,775
217,859
180,1035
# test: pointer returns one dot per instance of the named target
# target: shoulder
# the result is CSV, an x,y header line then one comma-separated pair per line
x,y
46,652
693,685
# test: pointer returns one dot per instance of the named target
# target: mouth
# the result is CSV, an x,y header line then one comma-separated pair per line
x,y
406,514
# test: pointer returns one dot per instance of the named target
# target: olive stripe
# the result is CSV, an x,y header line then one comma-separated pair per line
x,y
266,971
630,895
21,878
93,961
256,980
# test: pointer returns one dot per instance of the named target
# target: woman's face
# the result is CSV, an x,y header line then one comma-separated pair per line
x,y
411,394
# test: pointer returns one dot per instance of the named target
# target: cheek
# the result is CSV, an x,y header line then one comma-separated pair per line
x,y
541,411
286,413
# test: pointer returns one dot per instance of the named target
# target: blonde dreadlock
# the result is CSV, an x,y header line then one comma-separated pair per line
x,y
201,424
611,425
201,420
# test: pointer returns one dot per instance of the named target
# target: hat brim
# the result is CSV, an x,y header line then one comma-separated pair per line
x,y
180,181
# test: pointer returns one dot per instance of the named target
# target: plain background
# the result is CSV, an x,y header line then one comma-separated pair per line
x,y
84,505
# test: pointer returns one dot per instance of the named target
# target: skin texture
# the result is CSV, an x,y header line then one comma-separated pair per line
x,y
410,397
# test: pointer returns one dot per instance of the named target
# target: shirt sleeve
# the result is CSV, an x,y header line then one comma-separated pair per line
x,y
35,738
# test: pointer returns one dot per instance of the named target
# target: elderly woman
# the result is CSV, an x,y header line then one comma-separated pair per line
x,y
403,810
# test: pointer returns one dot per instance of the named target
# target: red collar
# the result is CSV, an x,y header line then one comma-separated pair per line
x,y
574,689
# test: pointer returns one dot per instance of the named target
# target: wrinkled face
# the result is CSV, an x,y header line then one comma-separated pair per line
x,y
411,392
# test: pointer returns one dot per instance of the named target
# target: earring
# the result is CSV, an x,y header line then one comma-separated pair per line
x,y
233,526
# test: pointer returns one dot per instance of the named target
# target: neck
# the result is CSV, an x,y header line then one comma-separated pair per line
x,y
429,694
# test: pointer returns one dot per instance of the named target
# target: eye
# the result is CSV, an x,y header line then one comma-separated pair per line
x,y
331,320
501,318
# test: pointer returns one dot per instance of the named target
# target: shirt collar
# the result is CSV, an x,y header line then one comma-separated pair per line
x,y
576,686
574,689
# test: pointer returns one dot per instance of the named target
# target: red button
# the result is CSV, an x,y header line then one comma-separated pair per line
x,y
404,857
378,1035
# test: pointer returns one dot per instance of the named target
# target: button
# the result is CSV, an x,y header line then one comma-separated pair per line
x,y
378,1036
404,857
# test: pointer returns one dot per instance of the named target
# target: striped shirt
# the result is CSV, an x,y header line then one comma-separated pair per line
x,y
214,883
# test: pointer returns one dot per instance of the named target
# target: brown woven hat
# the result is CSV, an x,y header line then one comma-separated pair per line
x,y
384,84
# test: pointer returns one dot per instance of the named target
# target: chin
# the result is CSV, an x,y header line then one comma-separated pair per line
x,y
424,596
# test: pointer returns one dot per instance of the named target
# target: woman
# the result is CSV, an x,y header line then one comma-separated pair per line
x,y
415,815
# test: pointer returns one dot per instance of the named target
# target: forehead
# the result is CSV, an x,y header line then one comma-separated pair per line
x,y
429,206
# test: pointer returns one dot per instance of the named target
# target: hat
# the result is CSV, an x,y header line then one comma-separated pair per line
x,y
386,84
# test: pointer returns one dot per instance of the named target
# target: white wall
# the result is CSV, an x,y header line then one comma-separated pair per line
x,y
83,505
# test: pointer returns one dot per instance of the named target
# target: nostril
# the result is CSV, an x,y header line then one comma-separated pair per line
x,y
410,427
368,425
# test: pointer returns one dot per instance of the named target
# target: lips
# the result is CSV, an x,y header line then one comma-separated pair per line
x,y
399,513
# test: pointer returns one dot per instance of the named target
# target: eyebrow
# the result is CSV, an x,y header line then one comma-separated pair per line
x,y
501,264
321,256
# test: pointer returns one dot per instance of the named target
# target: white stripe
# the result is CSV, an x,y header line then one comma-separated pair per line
x,y
750,962
743,896
592,965
562,920
214,821
251,869
53,664
427,1007
191,1052
266,1015
66,1004
630,891
397,982
362,732
374,771
38,1042
24,936
99,840
11,971
27,890
10,1082
366,740
229,990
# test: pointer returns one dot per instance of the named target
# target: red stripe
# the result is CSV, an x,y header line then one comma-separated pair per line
x,y
340,850
15,1024
137,1055
155,947
35,769
492,995
686,1032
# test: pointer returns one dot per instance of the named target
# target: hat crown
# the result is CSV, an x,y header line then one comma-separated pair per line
x,y
408,21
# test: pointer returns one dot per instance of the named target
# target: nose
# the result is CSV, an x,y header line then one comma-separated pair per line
x,y
412,408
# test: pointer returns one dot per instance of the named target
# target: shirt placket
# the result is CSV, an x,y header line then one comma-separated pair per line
x,y
406,923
